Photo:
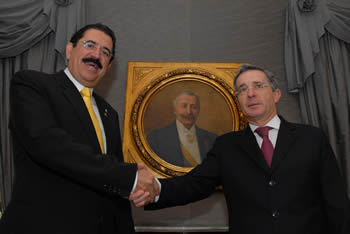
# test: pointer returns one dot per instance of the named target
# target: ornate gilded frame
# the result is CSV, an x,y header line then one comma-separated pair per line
x,y
147,79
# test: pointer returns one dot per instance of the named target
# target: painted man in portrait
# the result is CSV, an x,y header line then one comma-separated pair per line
x,y
182,143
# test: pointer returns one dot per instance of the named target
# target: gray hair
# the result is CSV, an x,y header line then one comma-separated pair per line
x,y
247,67
190,93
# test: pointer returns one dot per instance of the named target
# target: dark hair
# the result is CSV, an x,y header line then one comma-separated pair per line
x,y
246,67
103,28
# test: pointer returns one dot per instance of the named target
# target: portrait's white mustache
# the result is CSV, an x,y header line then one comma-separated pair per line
x,y
188,116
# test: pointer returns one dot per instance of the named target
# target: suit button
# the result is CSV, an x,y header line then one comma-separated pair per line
x,y
275,214
272,183
114,190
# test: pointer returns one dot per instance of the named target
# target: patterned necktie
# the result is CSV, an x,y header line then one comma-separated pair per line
x,y
85,92
266,146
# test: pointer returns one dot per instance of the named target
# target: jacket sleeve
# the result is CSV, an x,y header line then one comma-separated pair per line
x,y
333,188
196,185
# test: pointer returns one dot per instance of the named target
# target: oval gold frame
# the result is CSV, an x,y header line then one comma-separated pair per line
x,y
164,80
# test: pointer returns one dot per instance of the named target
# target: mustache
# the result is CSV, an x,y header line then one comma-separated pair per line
x,y
191,117
93,60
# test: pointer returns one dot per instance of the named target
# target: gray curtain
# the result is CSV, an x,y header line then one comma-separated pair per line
x,y
317,62
33,35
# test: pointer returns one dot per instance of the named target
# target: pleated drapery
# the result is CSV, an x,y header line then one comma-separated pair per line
x,y
317,62
33,35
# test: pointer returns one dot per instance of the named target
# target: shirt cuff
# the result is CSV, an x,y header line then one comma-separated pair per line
x,y
135,183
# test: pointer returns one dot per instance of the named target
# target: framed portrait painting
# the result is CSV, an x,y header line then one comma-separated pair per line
x,y
174,112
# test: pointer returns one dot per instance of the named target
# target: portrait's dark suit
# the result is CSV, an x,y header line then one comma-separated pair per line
x,y
302,193
165,142
63,184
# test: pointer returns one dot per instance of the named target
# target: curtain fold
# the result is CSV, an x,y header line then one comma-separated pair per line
x,y
339,24
7,67
317,61
33,35
304,26
23,24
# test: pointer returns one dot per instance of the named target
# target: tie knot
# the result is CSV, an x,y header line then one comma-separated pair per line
x,y
85,92
263,131
190,138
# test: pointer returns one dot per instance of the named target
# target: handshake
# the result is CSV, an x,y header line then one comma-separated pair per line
x,y
147,187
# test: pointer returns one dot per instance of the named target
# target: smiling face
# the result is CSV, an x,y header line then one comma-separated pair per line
x,y
83,59
258,104
186,110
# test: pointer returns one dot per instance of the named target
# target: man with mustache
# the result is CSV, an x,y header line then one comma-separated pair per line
x,y
70,175
182,143
277,177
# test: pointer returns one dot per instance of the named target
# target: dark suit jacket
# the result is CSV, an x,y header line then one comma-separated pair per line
x,y
165,142
63,184
302,193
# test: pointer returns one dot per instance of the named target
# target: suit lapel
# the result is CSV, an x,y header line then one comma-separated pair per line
x,y
202,144
249,144
74,97
285,139
177,144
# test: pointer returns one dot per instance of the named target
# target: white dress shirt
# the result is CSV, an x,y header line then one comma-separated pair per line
x,y
93,102
94,106
274,124
191,145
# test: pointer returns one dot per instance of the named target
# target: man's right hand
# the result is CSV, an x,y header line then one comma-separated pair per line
x,y
147,187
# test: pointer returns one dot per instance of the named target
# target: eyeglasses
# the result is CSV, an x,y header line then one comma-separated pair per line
x,y
93,45
256,87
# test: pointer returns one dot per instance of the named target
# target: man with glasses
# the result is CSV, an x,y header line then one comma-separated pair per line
x,y
277,177
70,174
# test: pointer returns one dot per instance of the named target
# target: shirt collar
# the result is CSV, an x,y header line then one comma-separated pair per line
x,y
74,81
274,123
184,130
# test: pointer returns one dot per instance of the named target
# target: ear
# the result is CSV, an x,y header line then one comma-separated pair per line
x,y
277,95
69,48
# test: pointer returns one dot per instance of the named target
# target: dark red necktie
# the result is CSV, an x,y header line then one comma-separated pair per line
x,y
266,146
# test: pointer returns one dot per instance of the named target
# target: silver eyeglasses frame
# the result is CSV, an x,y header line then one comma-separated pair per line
x,y
256,86
93,45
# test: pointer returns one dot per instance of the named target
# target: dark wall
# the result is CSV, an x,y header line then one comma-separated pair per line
x,y
193,31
